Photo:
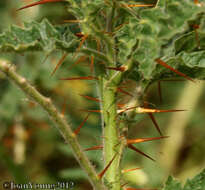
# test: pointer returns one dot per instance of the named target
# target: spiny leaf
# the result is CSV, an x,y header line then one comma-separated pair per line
x,y
149,37
38,37
196,183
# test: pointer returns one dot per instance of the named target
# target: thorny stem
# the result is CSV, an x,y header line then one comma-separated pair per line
x,y
57,118
108,89
111,136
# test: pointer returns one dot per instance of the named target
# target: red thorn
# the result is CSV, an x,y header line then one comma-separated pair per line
x,y
159,61
155,123
153,120
79,34
81,43
123,86
139,5
59,63
90,98
45,59
124,92
140,152
100,175
98,44
139,140
130,108
123,185
95,111
129,170
94,148
81,125
148,110
92,64
121,69
80,78
196,27
120,105
31,104
80,59
120,26
38,3
64,107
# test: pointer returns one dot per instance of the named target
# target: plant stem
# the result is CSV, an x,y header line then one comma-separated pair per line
x,y
110,132
58,119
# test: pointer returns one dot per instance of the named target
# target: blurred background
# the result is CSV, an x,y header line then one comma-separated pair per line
x,y
31,148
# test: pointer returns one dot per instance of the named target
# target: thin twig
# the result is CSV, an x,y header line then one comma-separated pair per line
x,y
57,118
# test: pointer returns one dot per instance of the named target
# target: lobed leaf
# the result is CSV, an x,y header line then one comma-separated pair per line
x,y
162,31
197,183
38,37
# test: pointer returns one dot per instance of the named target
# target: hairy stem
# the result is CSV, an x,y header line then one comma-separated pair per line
x,y
57,118
111,137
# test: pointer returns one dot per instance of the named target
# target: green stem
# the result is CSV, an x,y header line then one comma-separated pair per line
x,y
58,119
111,137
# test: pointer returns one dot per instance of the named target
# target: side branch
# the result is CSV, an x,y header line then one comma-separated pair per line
x,y
57,118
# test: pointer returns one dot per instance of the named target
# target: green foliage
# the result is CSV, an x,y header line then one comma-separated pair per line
x,y
38,37
197,183
135,38
164,31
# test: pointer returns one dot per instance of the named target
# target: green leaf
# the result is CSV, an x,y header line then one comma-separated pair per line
x,y
189,43
163,31
38,37
192,64
172,184
197,183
